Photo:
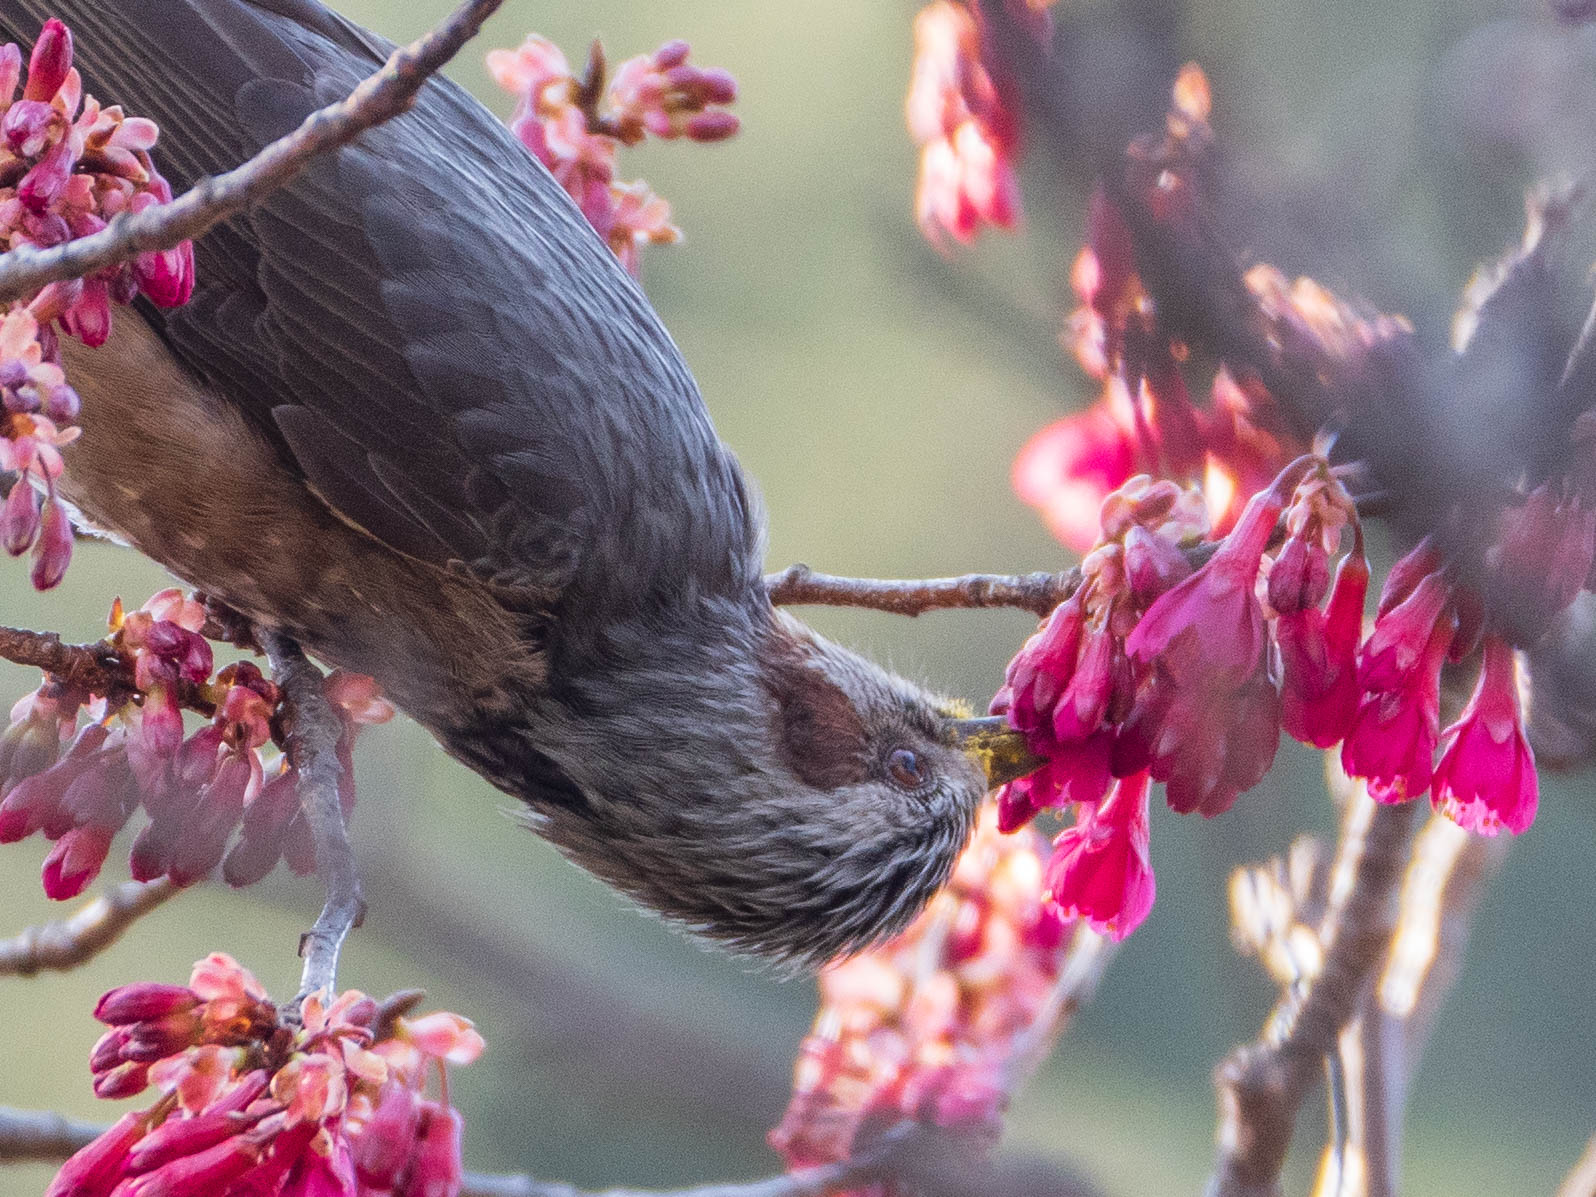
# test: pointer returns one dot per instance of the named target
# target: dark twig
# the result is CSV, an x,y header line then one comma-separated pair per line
x,y
72,941
1038,593
95,668
1262,1085
313,732
383,96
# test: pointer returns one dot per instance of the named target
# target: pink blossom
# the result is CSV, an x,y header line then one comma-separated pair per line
x,y
1318,652
1392,740
1100,870
1486,779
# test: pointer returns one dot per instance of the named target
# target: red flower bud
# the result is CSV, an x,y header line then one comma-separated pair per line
x,y
50,62
143,1000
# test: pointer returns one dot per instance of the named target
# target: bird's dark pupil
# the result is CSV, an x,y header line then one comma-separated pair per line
x,y
905,767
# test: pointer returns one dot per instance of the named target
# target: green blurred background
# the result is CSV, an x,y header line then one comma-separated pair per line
x,y
878,393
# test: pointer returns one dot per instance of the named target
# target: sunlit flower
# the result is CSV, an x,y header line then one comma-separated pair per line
x,y
1486,778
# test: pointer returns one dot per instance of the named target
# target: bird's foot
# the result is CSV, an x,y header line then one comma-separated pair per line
x,y
312,734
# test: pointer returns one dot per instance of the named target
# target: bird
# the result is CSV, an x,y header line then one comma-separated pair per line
x,y
417,419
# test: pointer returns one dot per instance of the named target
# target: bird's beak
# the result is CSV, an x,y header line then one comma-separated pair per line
x,y
991,743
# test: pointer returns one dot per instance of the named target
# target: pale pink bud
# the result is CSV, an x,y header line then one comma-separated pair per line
x,y
52,552
19,519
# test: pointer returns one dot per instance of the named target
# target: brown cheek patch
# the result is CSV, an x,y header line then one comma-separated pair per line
x,y
821,737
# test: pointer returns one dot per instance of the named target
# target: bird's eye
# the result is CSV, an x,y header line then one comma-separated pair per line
x,y
907,770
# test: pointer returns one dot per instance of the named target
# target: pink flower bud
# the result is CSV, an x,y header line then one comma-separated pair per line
x,y
107,1053
1100,870
10,72
19,519
46,181
26,127
122,1081
199,848
265,826
52,552
95,1169
178,1137
51,60
75,861
144,1000
436,1170
1318,652
203,1173
713,126
385,1144
89,319
1486,779
1152,564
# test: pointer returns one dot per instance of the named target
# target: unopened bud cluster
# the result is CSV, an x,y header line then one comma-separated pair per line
x,y
77,767
67,167
253,1103
576,127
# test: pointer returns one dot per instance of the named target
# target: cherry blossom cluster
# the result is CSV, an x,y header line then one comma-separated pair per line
x,y
925,1026
576,127
77,766
332,1102
67,167
1223,590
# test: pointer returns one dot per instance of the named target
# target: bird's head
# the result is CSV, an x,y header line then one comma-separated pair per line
x,y
774,791
870,792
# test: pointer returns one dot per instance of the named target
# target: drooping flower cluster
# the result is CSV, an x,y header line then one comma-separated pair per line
x,y
254,1103
76,767
67,167
925,1026
1188,675
576,127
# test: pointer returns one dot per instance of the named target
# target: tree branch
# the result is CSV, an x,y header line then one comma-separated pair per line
x,y
1379,1051
95,668
42,1136
77,939
383,96
1038,593
1262,1085
314,730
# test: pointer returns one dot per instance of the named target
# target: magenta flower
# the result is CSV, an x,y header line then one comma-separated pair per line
x,y
1208,631
1541,558
1486,779
1077,773
1392,740
1099,870
1318,654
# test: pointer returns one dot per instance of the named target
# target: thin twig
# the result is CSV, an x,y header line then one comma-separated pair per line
x,y
314,730
95,668
381,97
72,941
1262,1085
1038,593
